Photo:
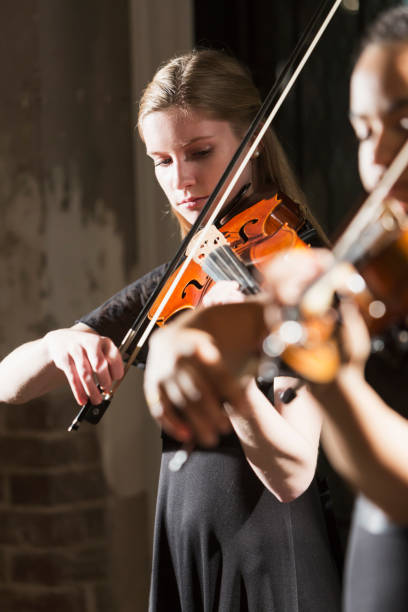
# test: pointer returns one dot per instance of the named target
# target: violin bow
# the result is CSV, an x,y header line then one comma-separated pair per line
x,y
140,330
347,246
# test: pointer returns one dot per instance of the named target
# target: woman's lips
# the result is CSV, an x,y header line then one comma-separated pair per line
x,y
194,203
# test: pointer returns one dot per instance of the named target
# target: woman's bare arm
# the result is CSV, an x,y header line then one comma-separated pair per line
x,y
77,355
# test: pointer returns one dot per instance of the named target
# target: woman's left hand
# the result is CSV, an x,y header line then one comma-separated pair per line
x,y
223,292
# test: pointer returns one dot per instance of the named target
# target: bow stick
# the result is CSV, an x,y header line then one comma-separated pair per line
x,y
141,330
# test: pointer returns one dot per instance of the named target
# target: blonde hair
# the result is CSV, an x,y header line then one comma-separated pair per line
x,y
215,84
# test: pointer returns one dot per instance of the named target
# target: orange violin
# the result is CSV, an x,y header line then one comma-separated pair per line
x,y
260,227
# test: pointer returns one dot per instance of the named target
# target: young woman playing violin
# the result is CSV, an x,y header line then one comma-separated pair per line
x,y
223,539
364,406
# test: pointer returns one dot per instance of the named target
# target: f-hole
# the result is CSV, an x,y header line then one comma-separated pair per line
x,y
242,233
192,282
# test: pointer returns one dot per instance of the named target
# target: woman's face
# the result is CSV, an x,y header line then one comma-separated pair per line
x,y
190,152
379,112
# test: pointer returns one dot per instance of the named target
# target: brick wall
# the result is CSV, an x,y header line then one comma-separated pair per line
x,y
73,232
54,512
67,206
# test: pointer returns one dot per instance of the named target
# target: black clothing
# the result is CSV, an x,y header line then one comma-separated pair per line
x,y
377,563
376,575
222,541
115,316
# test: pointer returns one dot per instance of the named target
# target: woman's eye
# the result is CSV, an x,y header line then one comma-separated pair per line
x,y
201,153
162,162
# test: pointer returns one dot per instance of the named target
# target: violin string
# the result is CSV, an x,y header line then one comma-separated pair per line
x,y
223,264
249,284
223,269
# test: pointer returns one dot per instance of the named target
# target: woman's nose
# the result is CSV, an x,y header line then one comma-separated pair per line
x,y
385,148
183,175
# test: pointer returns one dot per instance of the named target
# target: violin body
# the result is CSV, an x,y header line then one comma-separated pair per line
x,y
386,275
255,230
383,302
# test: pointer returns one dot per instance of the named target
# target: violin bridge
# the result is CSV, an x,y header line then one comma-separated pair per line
x,y
212,240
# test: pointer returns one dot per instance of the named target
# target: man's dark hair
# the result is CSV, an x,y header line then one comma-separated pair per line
x,y
390,26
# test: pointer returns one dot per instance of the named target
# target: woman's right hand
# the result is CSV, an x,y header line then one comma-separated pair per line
x,y
194,366
87,360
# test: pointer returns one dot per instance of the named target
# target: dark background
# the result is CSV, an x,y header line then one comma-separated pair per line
x,y
312,124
